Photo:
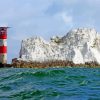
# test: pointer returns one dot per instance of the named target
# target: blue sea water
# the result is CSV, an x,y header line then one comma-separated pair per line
x,y
50,84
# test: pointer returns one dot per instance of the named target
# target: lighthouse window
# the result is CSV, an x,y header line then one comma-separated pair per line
x,y
2,29
2,32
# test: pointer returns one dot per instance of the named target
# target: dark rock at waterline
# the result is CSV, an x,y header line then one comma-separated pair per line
x,y
58,63
45,64
5,65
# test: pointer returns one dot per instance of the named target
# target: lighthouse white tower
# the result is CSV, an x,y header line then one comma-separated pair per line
x,y
3,45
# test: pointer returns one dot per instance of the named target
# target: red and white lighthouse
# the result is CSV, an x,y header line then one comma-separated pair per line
x,y
3,45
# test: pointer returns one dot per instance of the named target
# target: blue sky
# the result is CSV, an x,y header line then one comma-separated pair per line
x,y
45,18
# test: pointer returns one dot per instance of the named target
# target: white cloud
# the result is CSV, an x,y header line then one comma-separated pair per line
x,y
67,18
70,1
93,1
64,17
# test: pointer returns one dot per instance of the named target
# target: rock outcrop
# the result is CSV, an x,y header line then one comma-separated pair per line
x,y
79,46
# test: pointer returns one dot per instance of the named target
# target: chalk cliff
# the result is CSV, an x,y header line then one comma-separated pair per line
x,y
78,45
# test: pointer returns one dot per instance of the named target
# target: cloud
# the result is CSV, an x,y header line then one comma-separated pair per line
x,y
67,18
93,1
70,2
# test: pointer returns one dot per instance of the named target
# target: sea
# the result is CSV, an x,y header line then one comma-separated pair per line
x,y
50,84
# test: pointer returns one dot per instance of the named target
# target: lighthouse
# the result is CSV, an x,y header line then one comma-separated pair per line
x,y
3,45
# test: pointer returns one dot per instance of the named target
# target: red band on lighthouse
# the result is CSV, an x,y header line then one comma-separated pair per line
x,y
3,36
3,49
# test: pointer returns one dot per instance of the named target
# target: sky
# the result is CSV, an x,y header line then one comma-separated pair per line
x,y
45,18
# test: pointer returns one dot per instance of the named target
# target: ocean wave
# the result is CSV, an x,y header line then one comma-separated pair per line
x,y
49,84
